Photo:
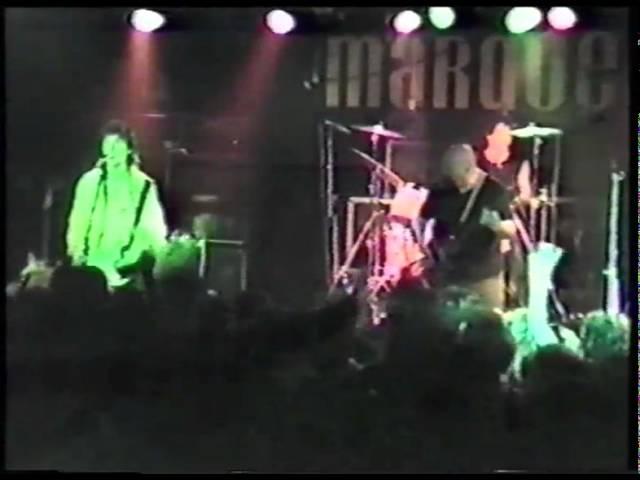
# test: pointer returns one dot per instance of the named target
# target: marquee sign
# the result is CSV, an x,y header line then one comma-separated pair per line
x,y
540,71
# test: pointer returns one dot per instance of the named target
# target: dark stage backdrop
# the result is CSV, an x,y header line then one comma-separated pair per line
x,y
63,68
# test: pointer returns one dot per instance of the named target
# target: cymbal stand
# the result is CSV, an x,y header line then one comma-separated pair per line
x,y
376,267
46,223
362,236
544,214
553,193
371,236
543,218
374,192
533,211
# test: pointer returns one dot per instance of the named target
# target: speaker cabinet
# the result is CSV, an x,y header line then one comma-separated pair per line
x,y
224,267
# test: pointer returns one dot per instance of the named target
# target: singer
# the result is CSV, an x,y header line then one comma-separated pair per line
x,y
116,222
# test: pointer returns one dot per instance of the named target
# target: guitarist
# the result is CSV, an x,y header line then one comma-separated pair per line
x,y
472,223
116,222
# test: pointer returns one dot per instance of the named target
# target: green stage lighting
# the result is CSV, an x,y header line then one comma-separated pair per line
x,y
441,17
522,19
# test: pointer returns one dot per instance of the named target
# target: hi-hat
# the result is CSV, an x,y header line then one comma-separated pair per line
x,y
532,130
378,130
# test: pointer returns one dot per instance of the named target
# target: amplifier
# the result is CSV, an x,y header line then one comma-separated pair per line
x,y
223,266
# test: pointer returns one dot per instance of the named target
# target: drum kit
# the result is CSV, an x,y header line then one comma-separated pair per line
x,y
392,236
388,236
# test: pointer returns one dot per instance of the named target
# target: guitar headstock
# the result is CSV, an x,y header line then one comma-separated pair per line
x,y
617,176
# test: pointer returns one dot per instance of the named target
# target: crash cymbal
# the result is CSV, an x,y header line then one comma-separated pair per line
x,y
378,130
154,115
204,198
532,130
174,115
541,200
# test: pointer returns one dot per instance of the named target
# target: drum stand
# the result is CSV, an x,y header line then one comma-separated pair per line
x,y
371,235
543,218
374,231
46,224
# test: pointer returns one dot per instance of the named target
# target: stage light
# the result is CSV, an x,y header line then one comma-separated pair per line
x,y
522,19
406,21
280,22
146,20
562,18
442,17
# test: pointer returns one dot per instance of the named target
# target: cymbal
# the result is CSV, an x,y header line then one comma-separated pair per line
x,y
378,130
154,115
204,198
540,200
532,130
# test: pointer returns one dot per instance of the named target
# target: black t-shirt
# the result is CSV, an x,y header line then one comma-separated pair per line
x,y
476,249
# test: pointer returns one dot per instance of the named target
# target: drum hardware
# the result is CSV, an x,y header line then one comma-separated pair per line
x,y
389,243
540,212
545,198
378,130
534,131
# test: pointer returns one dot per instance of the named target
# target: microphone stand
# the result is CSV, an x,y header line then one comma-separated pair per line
x,y
533,230
376,268
375,194
46,224
612,295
